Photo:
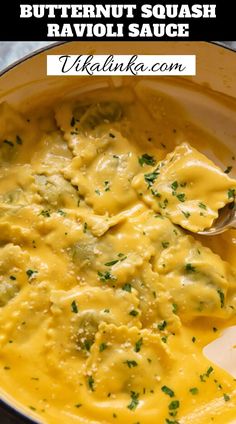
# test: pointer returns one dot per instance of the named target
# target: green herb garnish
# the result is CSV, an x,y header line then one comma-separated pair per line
x,y
151,177
222,297
175,185
134,402
162,325
174,308
112,262
45,213
181,197
228,169
147,160
127,287
105,276
72,122
74,307
194,390
19,140
168,391
30,272
190,268
133,313
9,143
102,347
206,374
174,404
231,193
91,383
138,345
186,214
131,364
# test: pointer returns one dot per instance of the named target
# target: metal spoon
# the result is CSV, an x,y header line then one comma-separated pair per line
x,y
225,221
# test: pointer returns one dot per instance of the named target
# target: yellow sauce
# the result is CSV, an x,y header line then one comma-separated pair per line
x,y
106,302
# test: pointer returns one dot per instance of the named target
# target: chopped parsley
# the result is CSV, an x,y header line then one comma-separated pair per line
x,y
181,197
30,272
105,276
168,391
91,383
222,297
174,308
228,169
162,325
231,193
61,212
194,390
202,206
107,185
112,262
102,347
165,244
164,204
45,213
127,287
9,143
186,214
175,185
72,122
78,405
190,268
131,364
85,227
134,401
74,307
112,135
147,160
133,313
174,404
19,140
121,257
226,397
206,374
193,339
155,193
12,277
138,345
87,343
151,177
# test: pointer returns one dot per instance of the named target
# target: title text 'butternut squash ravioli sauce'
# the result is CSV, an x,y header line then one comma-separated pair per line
x,y
106,300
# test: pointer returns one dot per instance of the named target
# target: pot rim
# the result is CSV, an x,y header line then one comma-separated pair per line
x,y
9,408
59,43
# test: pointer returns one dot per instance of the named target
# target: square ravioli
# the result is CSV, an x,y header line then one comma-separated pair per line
x,y
187,187
125,360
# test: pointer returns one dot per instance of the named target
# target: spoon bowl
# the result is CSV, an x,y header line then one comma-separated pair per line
x,y
225,221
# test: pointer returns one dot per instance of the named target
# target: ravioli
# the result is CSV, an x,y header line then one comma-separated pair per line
x,y
126,360
106,301
187,187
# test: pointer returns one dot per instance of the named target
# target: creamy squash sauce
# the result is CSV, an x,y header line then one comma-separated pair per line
x,y
106,299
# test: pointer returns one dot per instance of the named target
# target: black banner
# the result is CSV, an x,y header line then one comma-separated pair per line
x,y
117,21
